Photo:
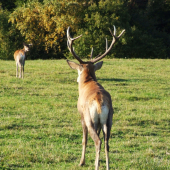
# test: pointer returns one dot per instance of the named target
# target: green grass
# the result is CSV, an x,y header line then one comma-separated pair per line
x,y
40,127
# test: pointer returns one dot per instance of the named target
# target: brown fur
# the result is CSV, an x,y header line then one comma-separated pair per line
x,y
91,92
20,57
17,53
94,103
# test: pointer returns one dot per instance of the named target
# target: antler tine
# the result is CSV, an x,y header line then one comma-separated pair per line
x,y
70,43
106,44
91,56
114,30
111,45
121,34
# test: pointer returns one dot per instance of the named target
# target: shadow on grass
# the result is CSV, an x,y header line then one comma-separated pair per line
x,y
13,166
114,79
122,80
137,98
119,82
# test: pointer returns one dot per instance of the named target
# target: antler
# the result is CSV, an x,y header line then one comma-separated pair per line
x,y
111,45
99,57
69,44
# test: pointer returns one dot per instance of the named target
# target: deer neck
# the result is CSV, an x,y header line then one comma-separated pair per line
x,y
23,51
86,80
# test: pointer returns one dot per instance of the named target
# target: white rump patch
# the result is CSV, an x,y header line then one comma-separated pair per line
x,y
96,117
93,113
104,114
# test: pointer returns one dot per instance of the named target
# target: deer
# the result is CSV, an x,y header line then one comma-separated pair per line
x,y
94,102
20,57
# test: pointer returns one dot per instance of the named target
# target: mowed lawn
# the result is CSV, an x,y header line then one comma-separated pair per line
x,y
40,126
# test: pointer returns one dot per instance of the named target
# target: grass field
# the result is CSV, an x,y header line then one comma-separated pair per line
x,y
40,127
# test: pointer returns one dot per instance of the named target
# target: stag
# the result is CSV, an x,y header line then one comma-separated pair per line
x,y
94,102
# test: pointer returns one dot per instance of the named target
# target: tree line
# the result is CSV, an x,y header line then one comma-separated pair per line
x,y
44,23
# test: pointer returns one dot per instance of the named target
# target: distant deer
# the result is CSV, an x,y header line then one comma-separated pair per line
x,y
20,57
94,102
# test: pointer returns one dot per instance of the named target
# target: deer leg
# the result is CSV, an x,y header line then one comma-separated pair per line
x,y
105,132
98,130
97,142
23,71
16,69
84,141
20,67
94,136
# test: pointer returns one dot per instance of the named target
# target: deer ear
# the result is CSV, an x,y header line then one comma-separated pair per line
x,y
98,65
74,65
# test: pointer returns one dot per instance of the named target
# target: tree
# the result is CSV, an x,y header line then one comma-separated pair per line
x,y
99,16
44,24
159,12
11,5
9,37
147,40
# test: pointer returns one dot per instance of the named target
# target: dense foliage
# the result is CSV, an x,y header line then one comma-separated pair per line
x,y
44,23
